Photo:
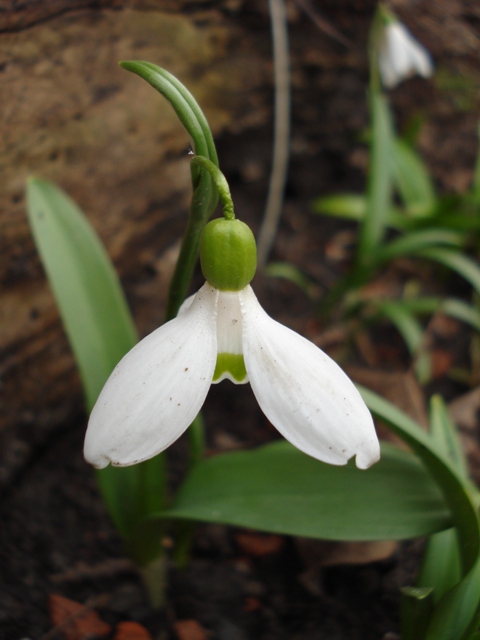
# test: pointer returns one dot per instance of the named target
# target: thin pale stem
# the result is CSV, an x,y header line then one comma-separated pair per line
x,y
281,150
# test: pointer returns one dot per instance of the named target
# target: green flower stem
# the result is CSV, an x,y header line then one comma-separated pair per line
x,y
196,441
219,181
381,17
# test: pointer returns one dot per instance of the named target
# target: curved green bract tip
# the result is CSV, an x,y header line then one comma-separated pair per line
x,y
228,254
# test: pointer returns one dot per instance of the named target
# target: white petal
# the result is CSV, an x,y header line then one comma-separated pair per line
x,y
401,56
157,389
303,392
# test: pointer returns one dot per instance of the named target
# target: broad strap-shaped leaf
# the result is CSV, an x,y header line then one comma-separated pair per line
x,y
86,288
99,326
279,489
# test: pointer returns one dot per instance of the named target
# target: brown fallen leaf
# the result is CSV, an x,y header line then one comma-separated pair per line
x,y
257,544
252,604
75,620
190,630
131,631
317,554
326,553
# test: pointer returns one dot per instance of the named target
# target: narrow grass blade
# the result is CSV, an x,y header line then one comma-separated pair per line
x,y
412,332
462,311
412,179
446,435
456,261
295,275
476,176
345,205
415,241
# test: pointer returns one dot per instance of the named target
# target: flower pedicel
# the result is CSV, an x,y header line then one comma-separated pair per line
x,y
158,388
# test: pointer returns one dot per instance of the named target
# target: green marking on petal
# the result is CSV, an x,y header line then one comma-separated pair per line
x,y
231,366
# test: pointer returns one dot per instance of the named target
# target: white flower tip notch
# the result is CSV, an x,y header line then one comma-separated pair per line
x,y
223,333
401,56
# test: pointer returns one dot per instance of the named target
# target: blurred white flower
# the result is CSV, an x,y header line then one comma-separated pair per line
x,y
158,388
401,56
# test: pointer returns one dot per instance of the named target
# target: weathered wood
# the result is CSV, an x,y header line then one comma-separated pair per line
x,y
70,114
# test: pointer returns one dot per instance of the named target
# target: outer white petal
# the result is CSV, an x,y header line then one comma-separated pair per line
x,y
303,392
157,389
401,56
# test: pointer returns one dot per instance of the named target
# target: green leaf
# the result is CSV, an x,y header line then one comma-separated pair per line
x,y
462,311
456,614
99,327
415,241
441,564
416,608
87,290
295,275
412,332
345,205
456,492
379,190
442,576
446,435
351,206
412,180
279,489
476,176
456,261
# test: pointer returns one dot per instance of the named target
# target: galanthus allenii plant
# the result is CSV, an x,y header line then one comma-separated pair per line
x,y
222,332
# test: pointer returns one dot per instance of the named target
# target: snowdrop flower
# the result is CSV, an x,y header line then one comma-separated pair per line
x,y
401,56
222,332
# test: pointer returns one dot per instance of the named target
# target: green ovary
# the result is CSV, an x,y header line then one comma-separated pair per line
x,y
232,364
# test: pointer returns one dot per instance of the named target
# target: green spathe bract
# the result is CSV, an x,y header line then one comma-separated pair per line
x,y
228,254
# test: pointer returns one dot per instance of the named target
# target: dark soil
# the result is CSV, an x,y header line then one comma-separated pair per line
x,y
57,539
